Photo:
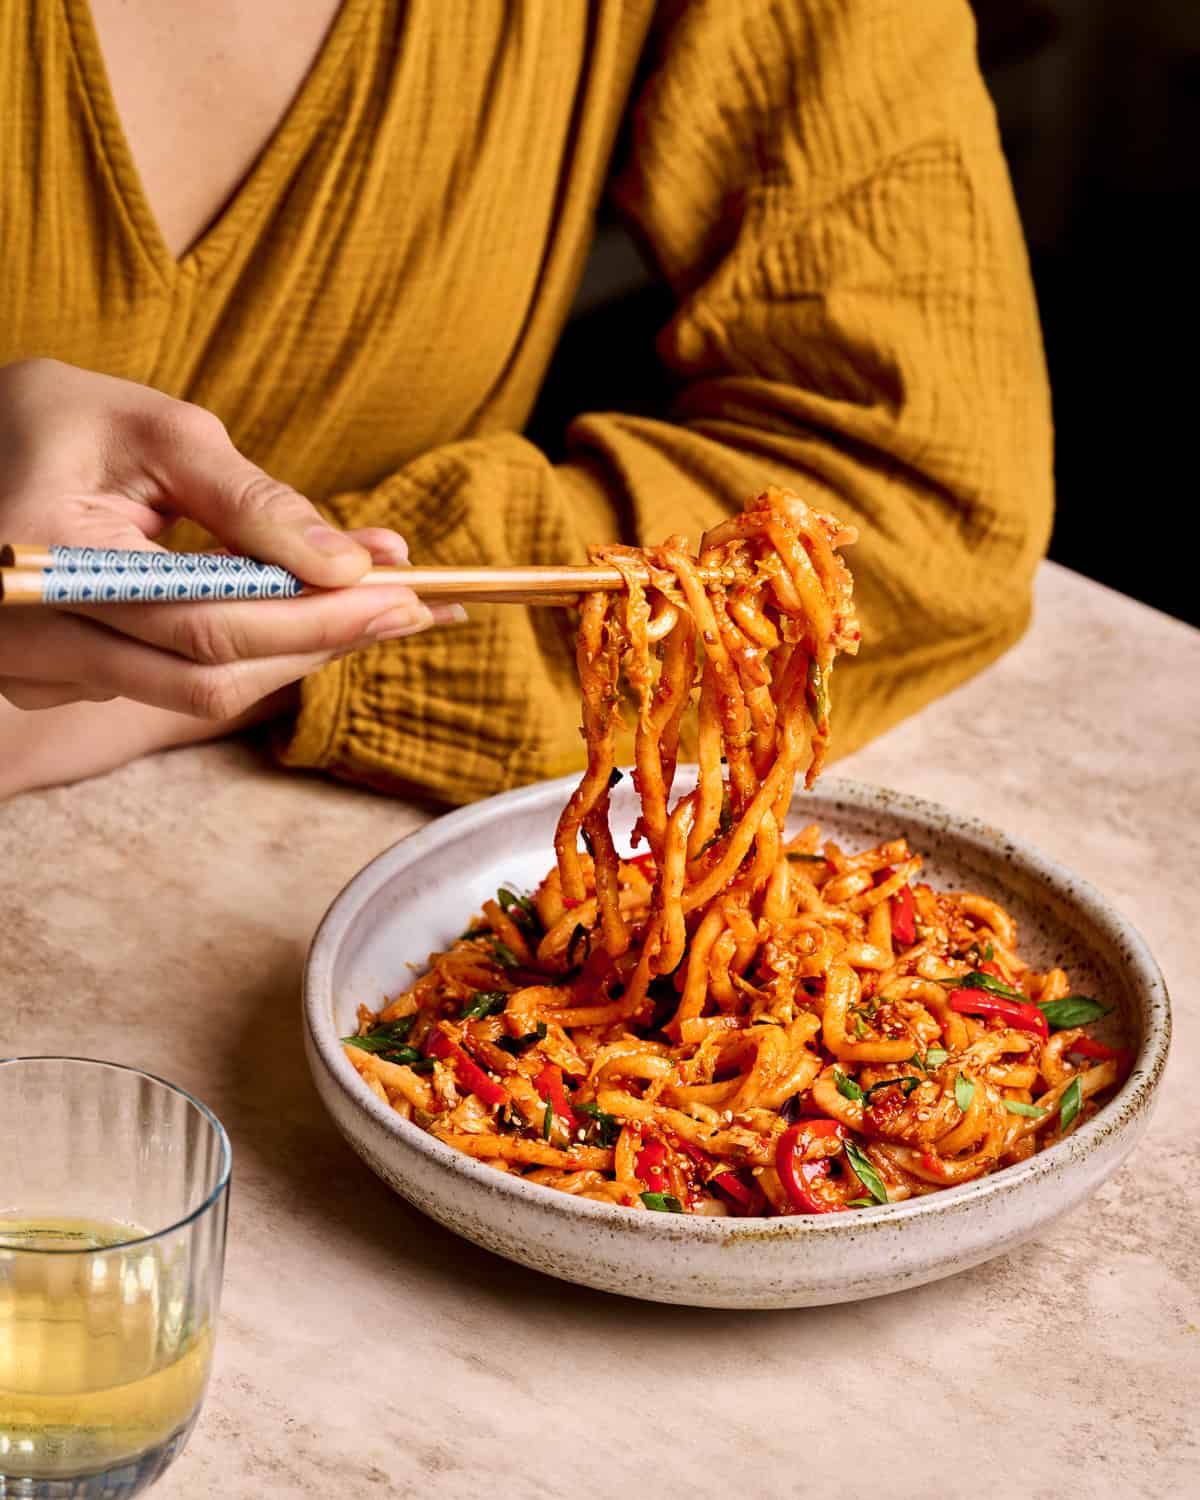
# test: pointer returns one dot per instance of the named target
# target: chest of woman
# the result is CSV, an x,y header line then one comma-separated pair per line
x,y
376,259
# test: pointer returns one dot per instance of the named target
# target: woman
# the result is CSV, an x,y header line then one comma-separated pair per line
x,y
351,233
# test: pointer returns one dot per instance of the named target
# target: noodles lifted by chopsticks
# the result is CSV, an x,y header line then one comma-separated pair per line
x,y
730,1022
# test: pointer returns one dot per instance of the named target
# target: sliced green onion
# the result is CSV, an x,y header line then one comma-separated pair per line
x,y
977,981
405,1055
816,688
888,1083
663,1203
1072,1102
503,953
1017,1107
846,1086
866,1173
515,1045
390,1034
485,1003
520,908
935,1057
579,935
603,1129
964,1092
547,1120
385,1053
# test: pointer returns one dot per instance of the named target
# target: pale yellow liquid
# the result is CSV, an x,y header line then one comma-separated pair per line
x,y
98,1363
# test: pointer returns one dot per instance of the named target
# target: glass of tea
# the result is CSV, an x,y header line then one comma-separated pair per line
x,y
114,1189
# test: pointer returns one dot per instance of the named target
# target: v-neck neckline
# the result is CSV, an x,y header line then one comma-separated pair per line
x,y
124,180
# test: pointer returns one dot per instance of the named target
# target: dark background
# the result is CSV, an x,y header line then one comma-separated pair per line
x,y
1099,109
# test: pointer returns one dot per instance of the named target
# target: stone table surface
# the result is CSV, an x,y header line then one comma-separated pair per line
x,y
159,917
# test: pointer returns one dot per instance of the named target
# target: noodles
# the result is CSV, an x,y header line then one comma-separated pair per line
x,y
732,1022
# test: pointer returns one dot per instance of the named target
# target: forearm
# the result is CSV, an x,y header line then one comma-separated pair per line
x,y
70,743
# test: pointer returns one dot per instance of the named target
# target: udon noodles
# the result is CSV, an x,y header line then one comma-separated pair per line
x,y
728,1020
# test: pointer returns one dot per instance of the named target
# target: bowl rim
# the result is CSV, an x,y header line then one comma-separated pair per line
x,y
1132,1100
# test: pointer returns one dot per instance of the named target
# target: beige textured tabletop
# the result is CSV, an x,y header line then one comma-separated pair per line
x,y
159,916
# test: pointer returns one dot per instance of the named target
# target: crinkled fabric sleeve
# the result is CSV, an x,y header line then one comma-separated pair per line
x,y
822,185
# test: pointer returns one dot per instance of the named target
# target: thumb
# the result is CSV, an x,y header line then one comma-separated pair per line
x,y
204,477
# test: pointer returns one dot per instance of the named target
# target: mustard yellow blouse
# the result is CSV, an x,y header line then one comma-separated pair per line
x,y
373,312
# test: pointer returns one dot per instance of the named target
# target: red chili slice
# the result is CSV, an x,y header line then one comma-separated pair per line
x,y
649,1166
747,1197
1086,1046
469,1074
701,1158
439,1045
1019,1013
549,1084
799,1188
798,1176
744,1197
904,917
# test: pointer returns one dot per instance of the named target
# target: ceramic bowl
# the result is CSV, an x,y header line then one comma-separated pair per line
x,y
418,895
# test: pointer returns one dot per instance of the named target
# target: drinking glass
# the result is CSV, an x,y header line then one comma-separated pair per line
x,y
114,1189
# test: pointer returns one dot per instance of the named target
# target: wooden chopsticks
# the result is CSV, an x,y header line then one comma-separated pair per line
x,y
64,575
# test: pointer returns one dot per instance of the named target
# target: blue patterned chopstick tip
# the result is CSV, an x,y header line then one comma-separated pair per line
x,y
256,581
149,560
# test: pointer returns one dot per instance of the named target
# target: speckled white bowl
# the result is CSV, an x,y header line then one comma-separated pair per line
x,y
417,895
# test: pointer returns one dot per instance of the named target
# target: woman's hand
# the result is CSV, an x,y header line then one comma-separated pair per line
x,y
89,461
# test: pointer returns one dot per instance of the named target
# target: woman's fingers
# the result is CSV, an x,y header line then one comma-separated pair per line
x,y
64,647
95,461
33,696
107,520
187,454
246,629
388,549
90,460
341,619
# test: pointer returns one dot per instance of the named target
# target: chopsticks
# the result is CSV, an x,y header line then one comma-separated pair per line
x,y
67,575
